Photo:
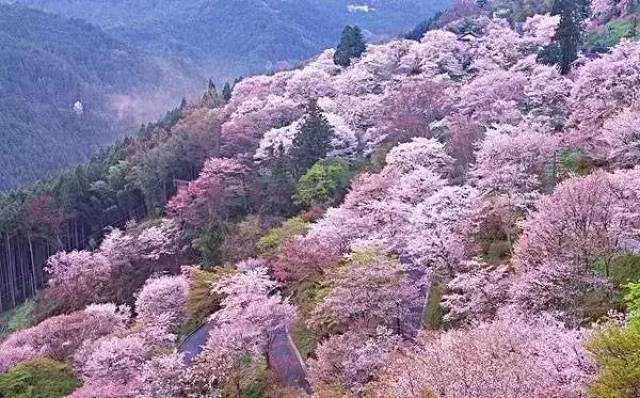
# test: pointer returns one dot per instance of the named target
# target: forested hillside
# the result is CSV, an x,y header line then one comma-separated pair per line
x,y
454,216
242,37
68,89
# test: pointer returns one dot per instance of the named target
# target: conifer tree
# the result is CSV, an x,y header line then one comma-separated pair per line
x,y
312,140
351,45
226,91
569,34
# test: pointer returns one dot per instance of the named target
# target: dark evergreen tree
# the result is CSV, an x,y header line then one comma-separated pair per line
x,y
312,140
351,45
226,91
569,34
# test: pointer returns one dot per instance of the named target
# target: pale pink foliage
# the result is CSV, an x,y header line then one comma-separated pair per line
x,y
477,293
77,276
493,97
60,336
585,219
621,138
439,226
511,160
252,314
371,290
164,376
113,358
108,389
540,29
352,359
508,358
163,299
603,88
149,244
420,152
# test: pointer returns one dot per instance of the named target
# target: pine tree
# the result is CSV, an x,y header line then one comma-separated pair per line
x,y
312,140
351,46
569,34
226,91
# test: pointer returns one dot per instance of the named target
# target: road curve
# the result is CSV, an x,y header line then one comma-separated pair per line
x,y
284,358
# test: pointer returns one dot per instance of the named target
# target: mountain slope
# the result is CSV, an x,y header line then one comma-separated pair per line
x,y
67,88
240,37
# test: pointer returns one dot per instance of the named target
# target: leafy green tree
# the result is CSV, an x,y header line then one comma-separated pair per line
x,y
351,46
41,378
312,140
323,182
616,349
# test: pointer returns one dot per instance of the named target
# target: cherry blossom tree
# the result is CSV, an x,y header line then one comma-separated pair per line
x,y
251,316
165,376
509,358
476,294
585,219
369,291
108,389
303,260
511,160
603,88
439,226
352,359
78,278
420,152
621,138
413,106
164,297
60,336
493,97
221,187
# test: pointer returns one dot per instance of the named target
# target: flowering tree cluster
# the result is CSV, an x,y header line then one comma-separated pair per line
x,y
252,314
527,359
219,189
162,301
60,336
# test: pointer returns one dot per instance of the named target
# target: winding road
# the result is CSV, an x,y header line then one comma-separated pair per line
x,y
284,358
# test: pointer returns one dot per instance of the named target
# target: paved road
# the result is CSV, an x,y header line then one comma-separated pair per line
x,y
287,363
194,344
417,275
284,357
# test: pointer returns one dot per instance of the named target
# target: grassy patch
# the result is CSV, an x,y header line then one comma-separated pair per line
x,y
270,244
21,317
42,378
202,302
305,339
433,313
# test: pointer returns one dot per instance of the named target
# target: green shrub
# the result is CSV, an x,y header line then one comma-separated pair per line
x,y
323,182
304,339
574,162
433,312
21,317
42,378
616,350
270,244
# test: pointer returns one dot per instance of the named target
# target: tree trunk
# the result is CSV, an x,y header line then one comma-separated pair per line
x,y
11,270
34,281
